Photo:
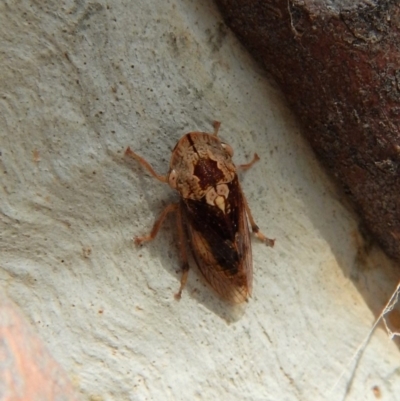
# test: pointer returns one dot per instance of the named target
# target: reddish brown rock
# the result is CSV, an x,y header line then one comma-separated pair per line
x,y
338,62
28,371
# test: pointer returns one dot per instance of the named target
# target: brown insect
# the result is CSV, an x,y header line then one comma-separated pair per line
x,y
211,215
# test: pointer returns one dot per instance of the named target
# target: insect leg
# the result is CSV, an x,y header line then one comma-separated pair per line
x,y
248,165
129,152
184,256
254,226
154,231
216,125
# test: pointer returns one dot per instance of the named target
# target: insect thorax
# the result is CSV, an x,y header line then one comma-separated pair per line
x,y
200,166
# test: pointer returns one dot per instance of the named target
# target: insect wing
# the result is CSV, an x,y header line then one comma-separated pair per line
x,y
220,243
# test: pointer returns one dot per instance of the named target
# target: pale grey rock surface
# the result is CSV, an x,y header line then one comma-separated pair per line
x,y
79,82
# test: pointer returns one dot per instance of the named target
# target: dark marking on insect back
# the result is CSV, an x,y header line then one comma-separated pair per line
x,y
221,229
207,171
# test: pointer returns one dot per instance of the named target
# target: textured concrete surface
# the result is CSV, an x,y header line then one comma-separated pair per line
x,y
80,82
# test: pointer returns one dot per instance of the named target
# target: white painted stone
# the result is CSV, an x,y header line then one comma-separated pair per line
x,y
80,81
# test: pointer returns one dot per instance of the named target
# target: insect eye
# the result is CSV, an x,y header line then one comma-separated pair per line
x,y
227,148
172,179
